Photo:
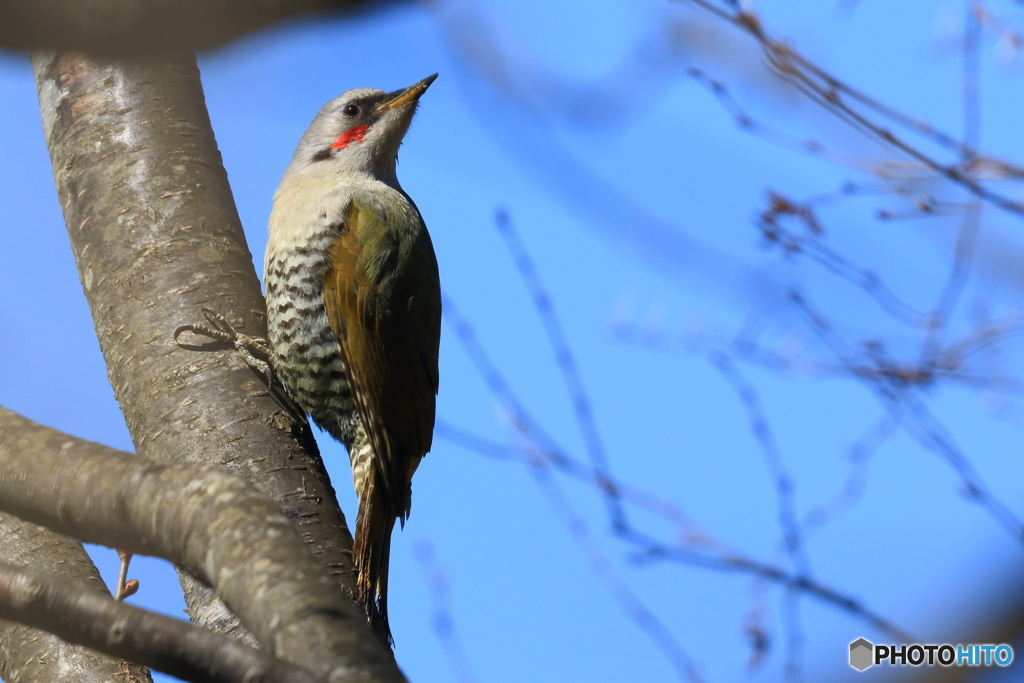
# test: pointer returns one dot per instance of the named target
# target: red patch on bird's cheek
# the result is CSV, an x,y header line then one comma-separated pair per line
x,y
354,134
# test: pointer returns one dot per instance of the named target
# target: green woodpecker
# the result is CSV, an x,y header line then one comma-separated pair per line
x,y
354,311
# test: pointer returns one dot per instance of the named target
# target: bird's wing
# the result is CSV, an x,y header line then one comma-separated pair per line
x,y
383,303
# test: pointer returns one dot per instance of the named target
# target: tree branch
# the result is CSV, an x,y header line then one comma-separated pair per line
x,y
28,654
156,236
213,525
79,615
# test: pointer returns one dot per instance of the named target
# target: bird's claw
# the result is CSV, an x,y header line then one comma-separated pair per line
x,y
255,351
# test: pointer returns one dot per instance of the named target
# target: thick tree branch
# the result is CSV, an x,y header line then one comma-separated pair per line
x,y
78,615
156,236
127,27
212,524
28,654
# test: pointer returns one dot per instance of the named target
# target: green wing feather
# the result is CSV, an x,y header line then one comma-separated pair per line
x,y
383,302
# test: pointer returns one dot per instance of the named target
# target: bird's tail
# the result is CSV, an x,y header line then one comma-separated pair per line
x,y
371,550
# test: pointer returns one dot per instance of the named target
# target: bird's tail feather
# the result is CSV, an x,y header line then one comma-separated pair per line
x,y
372,549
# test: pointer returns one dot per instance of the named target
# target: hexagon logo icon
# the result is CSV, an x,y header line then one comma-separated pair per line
x,y
862,654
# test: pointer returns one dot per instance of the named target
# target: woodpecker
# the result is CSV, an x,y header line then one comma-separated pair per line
x,y
354,311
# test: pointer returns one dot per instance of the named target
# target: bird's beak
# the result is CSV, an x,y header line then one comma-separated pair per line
x,y
410,94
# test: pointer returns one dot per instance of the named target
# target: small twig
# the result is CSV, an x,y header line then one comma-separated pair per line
x,y
602,567
853,488
582,409
898,392
774,231
125,588
648,548
442,620
581,471
759,427
828,91
788,519
963,256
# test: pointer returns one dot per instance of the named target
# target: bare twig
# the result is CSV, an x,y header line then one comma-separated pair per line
x,y
898,389
648,549
599,563
442,621
773,228
792,537
582,409
853,488
843,100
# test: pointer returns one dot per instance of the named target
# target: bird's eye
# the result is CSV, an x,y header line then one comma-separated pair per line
x,y
350,110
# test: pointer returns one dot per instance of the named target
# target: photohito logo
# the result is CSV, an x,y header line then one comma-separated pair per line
x,y
864,654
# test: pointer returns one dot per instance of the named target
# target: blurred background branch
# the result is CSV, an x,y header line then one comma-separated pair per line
x,y
149,27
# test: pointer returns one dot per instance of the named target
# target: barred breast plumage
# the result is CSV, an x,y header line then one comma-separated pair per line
x,y
306,355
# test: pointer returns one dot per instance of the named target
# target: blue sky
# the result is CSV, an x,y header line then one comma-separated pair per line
x,y
635,194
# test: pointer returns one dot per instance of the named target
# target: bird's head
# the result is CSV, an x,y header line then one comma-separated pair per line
x,y
360,131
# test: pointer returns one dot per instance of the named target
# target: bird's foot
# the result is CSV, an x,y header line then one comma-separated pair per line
x,y
125,587
255,351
